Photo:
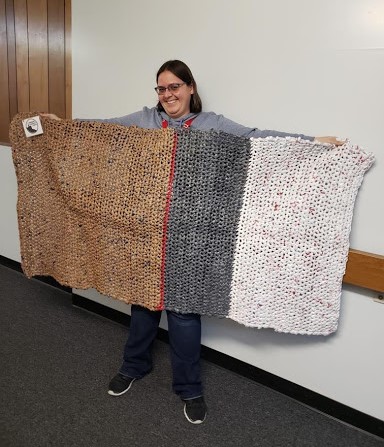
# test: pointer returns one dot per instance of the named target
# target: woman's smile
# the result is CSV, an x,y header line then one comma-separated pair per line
x,y
176,104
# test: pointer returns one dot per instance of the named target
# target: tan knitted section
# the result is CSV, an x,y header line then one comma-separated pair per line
x,y
92,200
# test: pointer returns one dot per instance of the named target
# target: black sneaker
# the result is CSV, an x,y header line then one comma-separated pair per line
x,y
120,384
195,410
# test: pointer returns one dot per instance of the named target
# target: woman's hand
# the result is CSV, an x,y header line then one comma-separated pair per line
x,y
50,116
332,140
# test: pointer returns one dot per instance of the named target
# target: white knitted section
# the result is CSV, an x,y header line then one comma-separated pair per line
x,y
293,236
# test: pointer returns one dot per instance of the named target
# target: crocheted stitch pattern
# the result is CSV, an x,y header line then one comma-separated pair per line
x,y
91,205
207,195
293,235
191,221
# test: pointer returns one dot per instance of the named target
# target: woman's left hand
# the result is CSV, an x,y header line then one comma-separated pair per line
x,y
332,140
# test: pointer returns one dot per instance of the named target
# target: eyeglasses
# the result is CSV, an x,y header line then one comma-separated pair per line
x,y
172,88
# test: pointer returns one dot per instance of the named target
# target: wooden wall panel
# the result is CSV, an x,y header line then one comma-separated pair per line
x,y
38,55
10,19
22,56
68,59
35,59
4,89
56,49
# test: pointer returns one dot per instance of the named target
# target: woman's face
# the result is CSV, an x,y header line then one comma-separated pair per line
x,y
176,104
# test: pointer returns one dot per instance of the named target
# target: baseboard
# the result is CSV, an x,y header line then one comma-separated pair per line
x,y
314,400
14,265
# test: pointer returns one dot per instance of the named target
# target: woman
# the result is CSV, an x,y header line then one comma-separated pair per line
x,y
179,105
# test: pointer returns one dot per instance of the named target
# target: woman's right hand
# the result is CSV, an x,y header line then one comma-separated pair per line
x,y
50,116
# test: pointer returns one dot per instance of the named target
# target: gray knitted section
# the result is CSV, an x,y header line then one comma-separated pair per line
x,y
210,174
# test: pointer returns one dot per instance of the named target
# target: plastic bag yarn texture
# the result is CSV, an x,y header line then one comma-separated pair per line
x,y
293,235
207,195
91,206
192,221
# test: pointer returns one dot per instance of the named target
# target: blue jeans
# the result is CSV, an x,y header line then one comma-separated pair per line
x,y
184,332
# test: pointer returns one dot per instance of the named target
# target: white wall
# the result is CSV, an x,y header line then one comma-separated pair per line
x,y
311,67
9,232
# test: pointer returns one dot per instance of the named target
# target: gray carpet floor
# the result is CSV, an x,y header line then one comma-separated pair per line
x,y
56,362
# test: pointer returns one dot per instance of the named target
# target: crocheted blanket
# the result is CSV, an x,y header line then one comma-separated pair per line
x,y
191,221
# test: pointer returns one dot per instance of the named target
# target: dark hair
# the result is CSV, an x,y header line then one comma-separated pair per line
x,y
182,71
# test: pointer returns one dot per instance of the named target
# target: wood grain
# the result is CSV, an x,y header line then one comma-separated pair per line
x,y
11,41
365,270
38,55
4,91
68,59
56,49
22,64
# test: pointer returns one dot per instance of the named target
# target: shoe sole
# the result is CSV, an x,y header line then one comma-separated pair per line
x,y
112,393
198,421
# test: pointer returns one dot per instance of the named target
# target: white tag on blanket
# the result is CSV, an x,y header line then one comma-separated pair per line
x,y
32,126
